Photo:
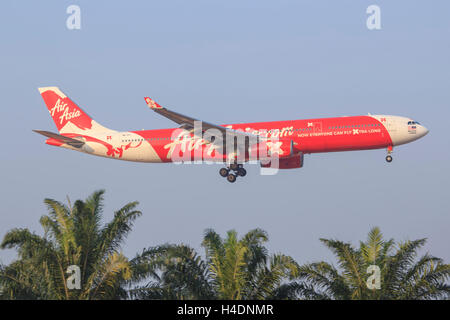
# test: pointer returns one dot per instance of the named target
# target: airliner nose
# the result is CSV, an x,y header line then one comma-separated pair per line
x,y
423,131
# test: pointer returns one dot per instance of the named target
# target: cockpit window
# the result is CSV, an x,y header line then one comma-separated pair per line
x,y
413,122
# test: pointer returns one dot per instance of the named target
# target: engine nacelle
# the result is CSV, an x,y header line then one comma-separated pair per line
x,y
273,148
290,162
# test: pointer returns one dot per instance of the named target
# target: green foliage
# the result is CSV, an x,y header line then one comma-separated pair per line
x,y
170,272
73,236
233,269
402,275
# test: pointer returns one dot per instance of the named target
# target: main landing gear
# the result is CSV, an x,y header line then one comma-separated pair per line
x,y
233,171
389,151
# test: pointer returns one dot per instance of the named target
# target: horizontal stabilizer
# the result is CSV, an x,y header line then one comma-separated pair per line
x,y
70,141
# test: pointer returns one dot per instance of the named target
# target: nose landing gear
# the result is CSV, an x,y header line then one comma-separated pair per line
x,y
389,151
238,170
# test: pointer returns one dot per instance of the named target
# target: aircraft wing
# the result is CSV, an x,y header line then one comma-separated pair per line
x,y
70,141
187,122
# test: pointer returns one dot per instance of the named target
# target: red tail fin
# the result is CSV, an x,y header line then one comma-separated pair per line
x,y
65,113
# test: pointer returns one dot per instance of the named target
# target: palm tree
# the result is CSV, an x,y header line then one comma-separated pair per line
x,y
402,276
243,269
169,272
234,269
73,236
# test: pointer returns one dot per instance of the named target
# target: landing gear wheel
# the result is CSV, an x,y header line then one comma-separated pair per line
x,y
389,158
224,172
234,166
242,172
231,178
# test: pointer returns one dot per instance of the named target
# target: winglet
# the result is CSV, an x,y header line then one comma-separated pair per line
x,y
152,104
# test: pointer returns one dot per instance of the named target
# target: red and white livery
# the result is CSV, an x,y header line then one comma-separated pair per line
x,y
276,144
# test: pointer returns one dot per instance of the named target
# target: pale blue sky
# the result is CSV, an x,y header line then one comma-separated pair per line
x,y
224,62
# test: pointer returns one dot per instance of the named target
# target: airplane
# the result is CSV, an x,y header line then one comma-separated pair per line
x,y
275,144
